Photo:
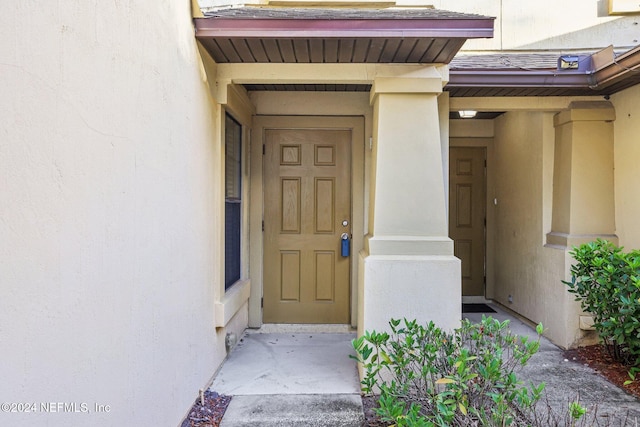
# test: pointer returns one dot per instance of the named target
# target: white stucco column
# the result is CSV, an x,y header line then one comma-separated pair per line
x,y
583,201
407,268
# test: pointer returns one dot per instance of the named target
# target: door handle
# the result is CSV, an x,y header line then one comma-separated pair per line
x,y
345,245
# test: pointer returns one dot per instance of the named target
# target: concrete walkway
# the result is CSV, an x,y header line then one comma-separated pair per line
x,y
298,376
292,378
567,381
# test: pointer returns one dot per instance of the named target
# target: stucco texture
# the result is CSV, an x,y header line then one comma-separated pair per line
x,y
108,267
525,269
547,24
627,173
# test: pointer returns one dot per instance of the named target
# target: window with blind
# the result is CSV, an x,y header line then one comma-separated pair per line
x,y
232,200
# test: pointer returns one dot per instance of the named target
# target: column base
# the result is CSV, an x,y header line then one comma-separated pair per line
x,y
409,245
425,288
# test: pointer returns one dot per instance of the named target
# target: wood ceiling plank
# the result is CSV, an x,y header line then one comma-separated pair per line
x,y
257,50
434,50
301,50
316,51
228,50
404,49
216,52
243,50
389,51
286,50
360,50
375,50
449,50
272,50
331,51
421,46
345,50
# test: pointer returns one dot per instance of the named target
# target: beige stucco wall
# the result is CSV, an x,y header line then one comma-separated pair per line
x,y
108,227
627,171
548,24
525,269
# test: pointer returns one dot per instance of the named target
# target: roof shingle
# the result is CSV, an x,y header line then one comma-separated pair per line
x,y
253,12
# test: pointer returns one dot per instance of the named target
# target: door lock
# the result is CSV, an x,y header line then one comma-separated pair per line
x,y
345,247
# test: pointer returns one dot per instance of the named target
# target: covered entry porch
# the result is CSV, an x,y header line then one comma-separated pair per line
x,y
378,74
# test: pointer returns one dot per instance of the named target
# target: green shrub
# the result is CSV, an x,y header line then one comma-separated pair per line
x,y
428,377
606,281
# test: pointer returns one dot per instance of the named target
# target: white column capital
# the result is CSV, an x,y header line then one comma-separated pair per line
x,y
408,199
586,111
421,81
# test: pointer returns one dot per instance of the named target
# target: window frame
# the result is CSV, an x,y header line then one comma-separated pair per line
x,y
233,200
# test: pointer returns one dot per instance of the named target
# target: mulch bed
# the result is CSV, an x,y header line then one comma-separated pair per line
x,y
369,403
210,414
596,357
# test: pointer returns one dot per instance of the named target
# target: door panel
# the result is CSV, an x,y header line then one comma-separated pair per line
x,y
307,193
467,214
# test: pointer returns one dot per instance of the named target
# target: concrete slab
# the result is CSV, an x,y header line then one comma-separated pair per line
x,y
338,410
567,381
289,363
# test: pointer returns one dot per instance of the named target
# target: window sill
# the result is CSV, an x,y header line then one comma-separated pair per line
x,y
234,298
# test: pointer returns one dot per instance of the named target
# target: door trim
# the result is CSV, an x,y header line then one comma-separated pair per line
x,y
256,200
489,255
479,222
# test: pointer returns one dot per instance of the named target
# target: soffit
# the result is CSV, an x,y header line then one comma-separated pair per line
x,y
337,35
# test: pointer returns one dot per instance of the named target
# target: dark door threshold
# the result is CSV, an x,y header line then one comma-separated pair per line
x,y
477,308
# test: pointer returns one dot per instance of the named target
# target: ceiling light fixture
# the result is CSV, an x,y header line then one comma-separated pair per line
x,y
467,114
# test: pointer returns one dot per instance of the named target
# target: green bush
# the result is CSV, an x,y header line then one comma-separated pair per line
x,y
428,377
606,281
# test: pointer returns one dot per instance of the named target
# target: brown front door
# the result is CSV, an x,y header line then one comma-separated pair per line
x,y
307,196
467,214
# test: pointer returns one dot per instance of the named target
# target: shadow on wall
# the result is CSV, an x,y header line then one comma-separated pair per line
x,y
624,31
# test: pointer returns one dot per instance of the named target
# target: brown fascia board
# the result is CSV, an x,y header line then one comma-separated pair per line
x,y
517,78
339,28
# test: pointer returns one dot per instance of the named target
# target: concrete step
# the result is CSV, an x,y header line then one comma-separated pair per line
x,y
309,410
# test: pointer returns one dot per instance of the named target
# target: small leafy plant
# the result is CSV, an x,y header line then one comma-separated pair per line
x,y
576,411
606,281
428,377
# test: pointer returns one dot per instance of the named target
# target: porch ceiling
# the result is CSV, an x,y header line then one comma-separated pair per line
x,y
337,35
